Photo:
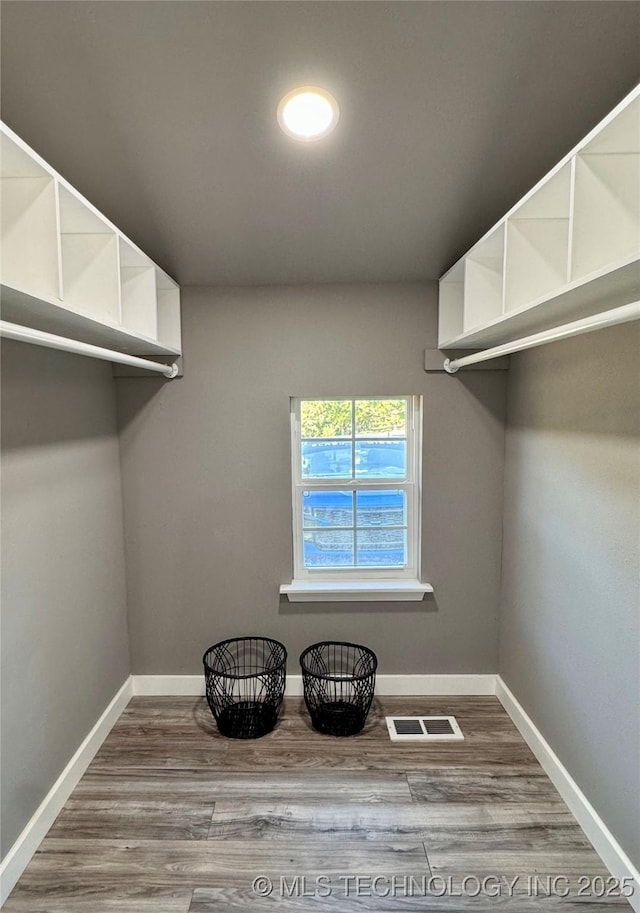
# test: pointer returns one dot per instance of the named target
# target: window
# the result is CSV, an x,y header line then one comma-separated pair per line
x,y
356,490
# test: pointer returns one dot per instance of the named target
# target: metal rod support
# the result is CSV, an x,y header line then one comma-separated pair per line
x,y
624,314
50,341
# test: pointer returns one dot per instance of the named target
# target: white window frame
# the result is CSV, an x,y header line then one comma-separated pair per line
x,y
342,579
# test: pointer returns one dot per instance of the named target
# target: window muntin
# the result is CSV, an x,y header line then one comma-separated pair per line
x,y
356,487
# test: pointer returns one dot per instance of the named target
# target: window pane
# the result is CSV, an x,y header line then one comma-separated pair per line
x,y
325,417
381,508
326,459
327,508
381,418
328,548
382,547
381,459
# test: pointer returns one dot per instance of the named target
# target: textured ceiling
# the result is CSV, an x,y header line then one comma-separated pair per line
x,y
163,115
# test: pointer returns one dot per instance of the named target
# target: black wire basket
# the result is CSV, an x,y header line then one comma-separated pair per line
x,y
245,679
339,680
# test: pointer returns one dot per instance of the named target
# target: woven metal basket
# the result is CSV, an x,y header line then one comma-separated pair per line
x,y
339,680
245,679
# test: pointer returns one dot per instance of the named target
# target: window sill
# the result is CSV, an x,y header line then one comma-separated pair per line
x,y
356,591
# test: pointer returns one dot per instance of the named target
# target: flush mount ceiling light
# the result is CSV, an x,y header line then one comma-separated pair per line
x,y
308,113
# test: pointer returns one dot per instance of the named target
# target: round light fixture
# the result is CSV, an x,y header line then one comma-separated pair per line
x,y
308,113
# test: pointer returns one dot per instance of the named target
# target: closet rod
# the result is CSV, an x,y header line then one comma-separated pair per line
x,y
49,341
610,318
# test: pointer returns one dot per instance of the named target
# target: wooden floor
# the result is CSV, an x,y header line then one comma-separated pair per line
x,y
172,818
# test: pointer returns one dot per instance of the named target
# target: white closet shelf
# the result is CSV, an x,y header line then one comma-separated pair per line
x,y
568,250
65,269
582,298
52,316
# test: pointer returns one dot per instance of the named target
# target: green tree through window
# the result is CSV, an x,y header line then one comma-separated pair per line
x,y
333,418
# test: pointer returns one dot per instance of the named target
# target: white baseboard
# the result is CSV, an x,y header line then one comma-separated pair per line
x,y
602,840
445,685
387,685
168,685
19,856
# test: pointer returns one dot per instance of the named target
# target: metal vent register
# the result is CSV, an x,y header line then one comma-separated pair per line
x,y
423,728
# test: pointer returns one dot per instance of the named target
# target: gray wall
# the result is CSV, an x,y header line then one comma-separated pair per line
x,y
570,614
206,479
64,624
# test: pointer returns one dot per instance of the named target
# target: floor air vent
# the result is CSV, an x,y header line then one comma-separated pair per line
x,y
423,728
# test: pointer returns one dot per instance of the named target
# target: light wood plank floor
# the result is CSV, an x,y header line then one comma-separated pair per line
x,y
172,818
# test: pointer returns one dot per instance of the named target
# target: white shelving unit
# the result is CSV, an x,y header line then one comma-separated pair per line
x,y
168,301
569,249
66,269
29,252
484,281
451,302
138,294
